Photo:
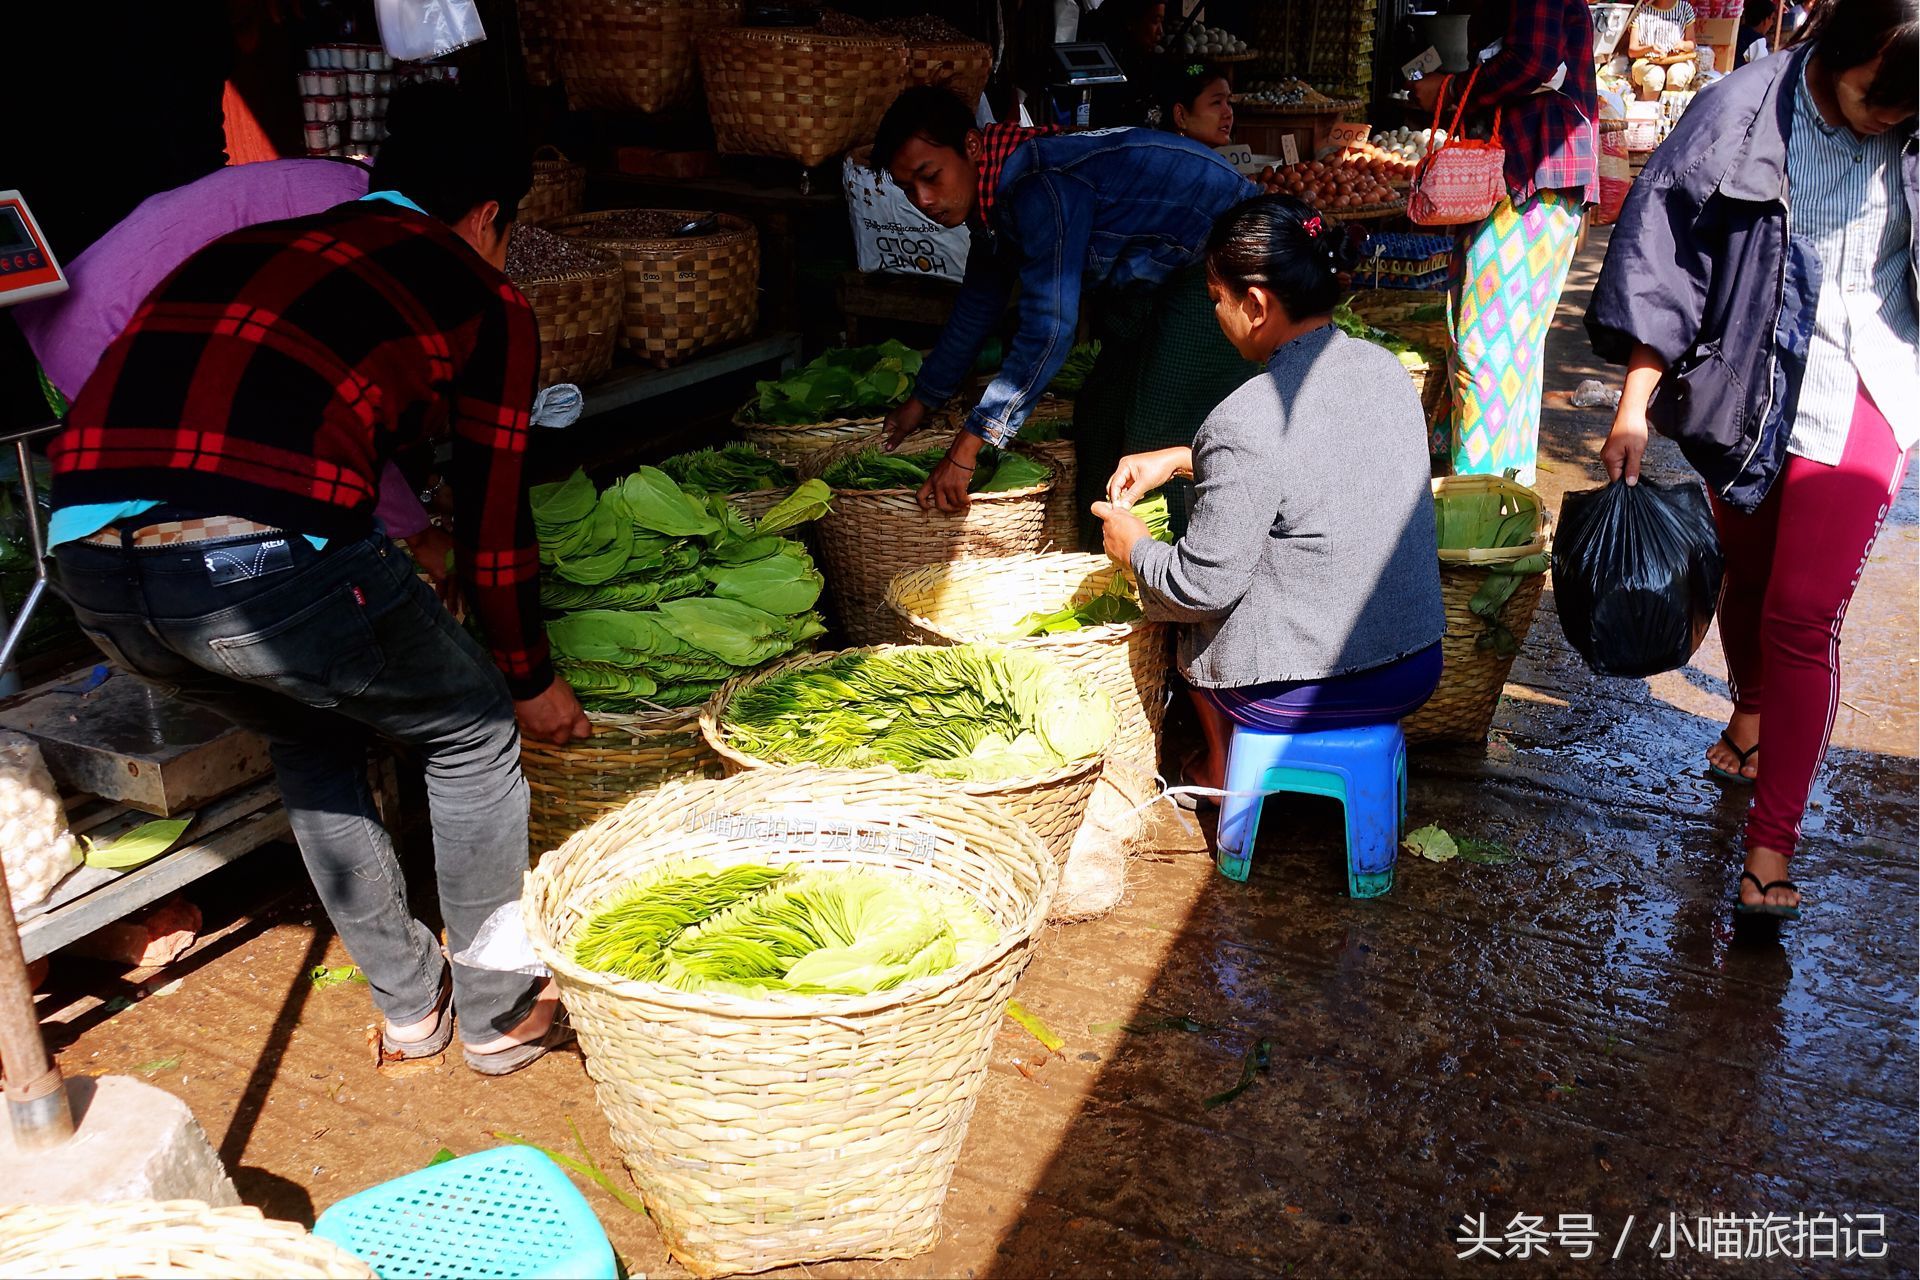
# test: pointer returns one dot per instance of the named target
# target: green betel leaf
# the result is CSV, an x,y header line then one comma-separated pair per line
x,y
1431,843
139,846
654,502
808,502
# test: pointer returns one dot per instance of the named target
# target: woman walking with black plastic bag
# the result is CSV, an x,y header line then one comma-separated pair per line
x,y
1760,288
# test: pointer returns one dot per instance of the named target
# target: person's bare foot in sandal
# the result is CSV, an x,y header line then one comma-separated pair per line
x,y
542,1030
1737,753
1765,888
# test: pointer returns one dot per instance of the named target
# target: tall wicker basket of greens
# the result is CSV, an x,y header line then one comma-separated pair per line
x,y
877,530
1493,565
788,1080
660,593
1078,610
839,396
1001,724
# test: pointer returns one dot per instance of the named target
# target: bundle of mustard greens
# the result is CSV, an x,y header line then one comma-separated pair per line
x,y
993,471
663,594
970,712
756,930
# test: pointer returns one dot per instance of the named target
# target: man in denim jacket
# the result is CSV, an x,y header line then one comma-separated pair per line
x,y
1120,209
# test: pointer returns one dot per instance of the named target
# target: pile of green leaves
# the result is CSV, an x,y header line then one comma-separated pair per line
x,y
662,594
1491,521
1073,373
846,382
1152,511
973,712
993,471
1115,604
753,930
732,468
1412,354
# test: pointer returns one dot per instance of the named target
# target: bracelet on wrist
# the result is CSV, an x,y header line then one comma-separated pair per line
x,y
963,466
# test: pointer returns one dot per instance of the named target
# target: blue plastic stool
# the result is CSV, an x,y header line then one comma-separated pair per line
x,y
505,1212
1363,768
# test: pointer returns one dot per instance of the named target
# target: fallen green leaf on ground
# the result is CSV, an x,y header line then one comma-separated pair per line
x,y
1036,1028
141,845
323,976
440,1157
1431,843
158,1065
1258,1062
1489,853
585,1166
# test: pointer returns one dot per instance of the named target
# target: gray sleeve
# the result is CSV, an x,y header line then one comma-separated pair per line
x,y
1203,575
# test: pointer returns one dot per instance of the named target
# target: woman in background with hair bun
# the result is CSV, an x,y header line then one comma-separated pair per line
x,y
1308,576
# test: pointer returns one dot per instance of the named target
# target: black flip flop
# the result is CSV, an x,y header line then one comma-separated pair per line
x,y
1763,907
1733,775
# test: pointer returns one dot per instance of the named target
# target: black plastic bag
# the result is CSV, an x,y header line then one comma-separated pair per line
x,y
1636,575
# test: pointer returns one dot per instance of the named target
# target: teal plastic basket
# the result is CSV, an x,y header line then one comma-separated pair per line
x,y
509,1212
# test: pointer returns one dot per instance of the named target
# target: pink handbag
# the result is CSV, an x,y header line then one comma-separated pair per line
x,y
1463,179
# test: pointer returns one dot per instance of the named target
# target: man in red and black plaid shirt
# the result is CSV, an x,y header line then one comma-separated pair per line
x,y
214,527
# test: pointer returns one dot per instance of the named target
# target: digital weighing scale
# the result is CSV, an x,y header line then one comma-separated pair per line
x,y
1083,67
28,268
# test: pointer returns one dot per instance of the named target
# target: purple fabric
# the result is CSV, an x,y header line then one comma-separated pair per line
x,y
1379,695
70,331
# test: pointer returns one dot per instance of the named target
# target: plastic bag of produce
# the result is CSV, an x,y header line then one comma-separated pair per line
x,y
1636,573
35,846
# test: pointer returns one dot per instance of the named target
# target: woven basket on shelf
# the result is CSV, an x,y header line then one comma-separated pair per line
x,y
963,66
631,55
683,293
873,535
1052,803
793,444
979,600
559,187
789,1129
578,312
571,787
165,1239
797,94
1461,709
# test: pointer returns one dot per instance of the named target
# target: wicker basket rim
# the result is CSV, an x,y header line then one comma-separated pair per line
x,y
1105,633
796,35
732,227
827,457
608,270
710,730
969,45
548,157
791,1006
1479,557
741,420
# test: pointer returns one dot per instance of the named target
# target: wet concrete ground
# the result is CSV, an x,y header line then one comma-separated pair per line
x,y
1577,1032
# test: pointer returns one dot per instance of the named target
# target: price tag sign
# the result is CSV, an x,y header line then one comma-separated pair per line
x,y
1424,65
1289,149
1342,136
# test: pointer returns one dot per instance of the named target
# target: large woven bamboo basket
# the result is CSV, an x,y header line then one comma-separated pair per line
x,y
793,444
171,1238
632,55
979,600
683,293
571,787
559,187
1062,526
1052,803
797,94
1462,708
578,313
963,66
771,1132
873,535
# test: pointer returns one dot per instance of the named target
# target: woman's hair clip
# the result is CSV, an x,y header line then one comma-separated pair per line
x,y
1311,226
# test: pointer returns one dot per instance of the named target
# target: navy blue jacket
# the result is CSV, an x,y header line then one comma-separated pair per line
x,y
1704,268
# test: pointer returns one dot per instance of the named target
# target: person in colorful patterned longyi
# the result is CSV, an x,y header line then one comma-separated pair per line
x,y
1536,67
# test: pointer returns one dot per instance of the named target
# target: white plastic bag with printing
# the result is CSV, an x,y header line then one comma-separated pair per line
x,y
416,30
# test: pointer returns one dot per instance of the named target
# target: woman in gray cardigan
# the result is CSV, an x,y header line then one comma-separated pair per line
x,y
1308,576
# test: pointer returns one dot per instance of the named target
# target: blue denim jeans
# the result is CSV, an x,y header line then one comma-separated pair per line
x,y
320,652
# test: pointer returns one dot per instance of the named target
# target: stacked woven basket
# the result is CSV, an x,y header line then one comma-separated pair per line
x,y
797,94
682,293
575,292
629,55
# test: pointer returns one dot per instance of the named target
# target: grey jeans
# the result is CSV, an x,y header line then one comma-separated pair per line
x,y
320,652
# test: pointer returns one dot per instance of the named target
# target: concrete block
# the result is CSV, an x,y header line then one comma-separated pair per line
x,y
131,1142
